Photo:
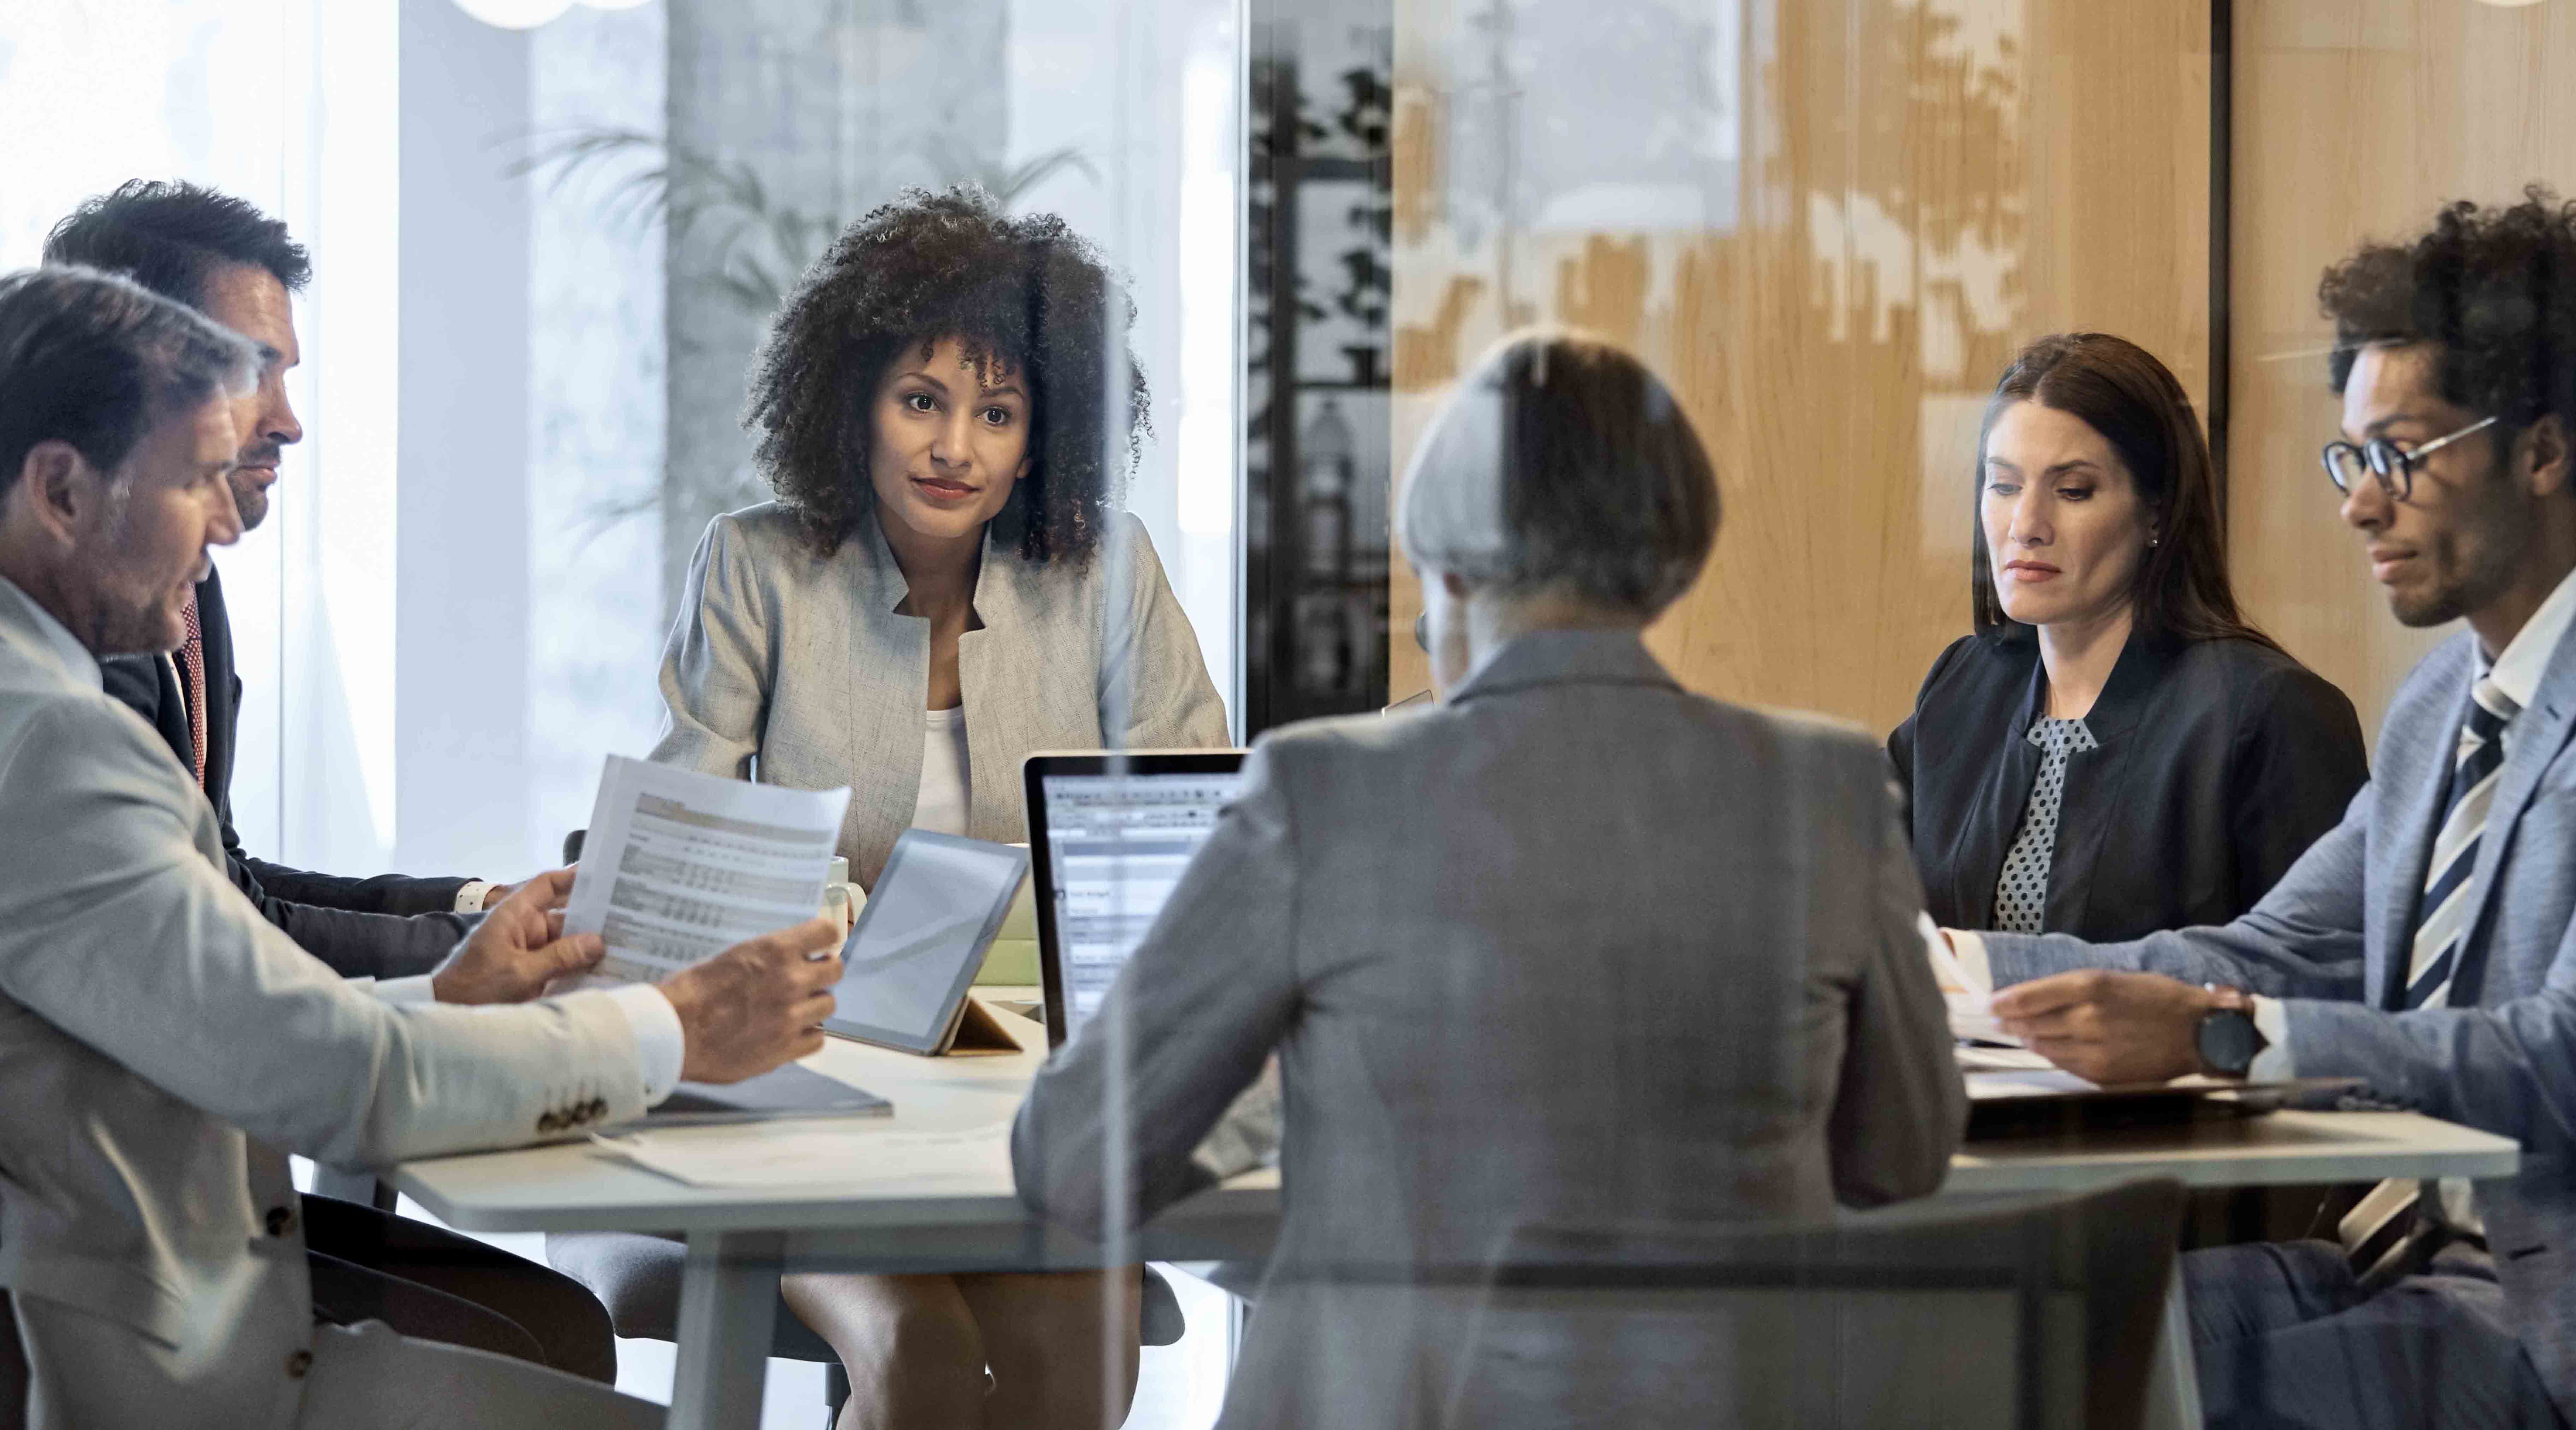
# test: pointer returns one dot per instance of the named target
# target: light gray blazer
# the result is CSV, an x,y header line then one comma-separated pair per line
x,y
1577,948
162,1047
802,661
2333,938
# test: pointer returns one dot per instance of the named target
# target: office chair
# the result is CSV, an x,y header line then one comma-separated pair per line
x,y
2029,1313
13,1370
638,1279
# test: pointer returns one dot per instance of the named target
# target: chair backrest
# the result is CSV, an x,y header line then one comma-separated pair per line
x,y
2036,1313
13,1370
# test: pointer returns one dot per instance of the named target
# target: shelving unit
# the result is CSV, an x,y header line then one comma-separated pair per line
x,y
1317,619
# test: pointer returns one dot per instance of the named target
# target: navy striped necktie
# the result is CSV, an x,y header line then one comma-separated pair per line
x,y
2443,915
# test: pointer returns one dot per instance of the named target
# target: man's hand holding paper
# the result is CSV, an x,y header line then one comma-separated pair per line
x,y
519,948
757,1004
678,866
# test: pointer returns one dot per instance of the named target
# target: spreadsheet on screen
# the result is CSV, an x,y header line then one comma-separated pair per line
x,y
1118,844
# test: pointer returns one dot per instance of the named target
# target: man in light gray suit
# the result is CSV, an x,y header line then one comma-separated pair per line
x,y
2425,944
1574,948
162,1044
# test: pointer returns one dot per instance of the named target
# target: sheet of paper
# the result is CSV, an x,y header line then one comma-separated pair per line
x,y
1946,970
1972,1015
679,866
839,1154
2025,1084
1978,1059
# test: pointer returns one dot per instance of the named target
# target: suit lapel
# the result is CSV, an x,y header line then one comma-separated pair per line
x,y
2531,746
2094,779
223,702
888,677
1995,815
170,705
2413,776
998,674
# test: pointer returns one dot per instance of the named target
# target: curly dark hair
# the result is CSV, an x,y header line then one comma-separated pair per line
x,y
1027,293
2494,286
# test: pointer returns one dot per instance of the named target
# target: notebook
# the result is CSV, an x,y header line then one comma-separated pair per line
x,y
789,1090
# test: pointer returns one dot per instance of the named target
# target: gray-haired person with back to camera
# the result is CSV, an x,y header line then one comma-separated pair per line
x,y
1458,927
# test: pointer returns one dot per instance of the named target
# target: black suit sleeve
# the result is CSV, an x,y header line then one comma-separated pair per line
x,y
394,894
2299,761
354,944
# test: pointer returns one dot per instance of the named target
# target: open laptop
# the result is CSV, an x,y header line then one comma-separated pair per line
x,y
1107,848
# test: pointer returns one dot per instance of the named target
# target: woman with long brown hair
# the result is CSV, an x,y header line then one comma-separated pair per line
x,y
2115,750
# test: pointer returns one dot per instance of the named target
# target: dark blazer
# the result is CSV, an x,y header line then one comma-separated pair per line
x,y
2221,761
385,927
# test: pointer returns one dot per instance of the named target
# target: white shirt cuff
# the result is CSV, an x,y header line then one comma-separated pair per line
x,y
2273,1023
469,899
414,989
1968,959
660,1045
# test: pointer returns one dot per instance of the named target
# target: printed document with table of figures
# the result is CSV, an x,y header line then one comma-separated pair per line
x,y
678,866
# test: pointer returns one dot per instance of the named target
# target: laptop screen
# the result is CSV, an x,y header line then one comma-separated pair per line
x,y
1115,846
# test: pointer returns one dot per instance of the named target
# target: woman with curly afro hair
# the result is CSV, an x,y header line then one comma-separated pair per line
x,y
945,584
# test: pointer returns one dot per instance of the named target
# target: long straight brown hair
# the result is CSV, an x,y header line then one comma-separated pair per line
x,y
2119,389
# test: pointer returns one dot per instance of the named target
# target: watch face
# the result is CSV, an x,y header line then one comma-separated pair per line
x,y
2227,1041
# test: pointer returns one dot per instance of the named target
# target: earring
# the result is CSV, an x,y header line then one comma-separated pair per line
x,y
2155,541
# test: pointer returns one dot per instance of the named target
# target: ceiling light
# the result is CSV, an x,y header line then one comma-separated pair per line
x,y
514,14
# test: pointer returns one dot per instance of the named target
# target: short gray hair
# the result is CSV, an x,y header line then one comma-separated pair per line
x,y
1561,463
93,360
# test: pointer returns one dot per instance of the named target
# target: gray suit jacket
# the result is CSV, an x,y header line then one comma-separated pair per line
x,y
163,1047
1577,947
2333,938
803,662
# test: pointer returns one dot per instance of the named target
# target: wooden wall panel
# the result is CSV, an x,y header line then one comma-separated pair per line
x,y
2357,119
1897,196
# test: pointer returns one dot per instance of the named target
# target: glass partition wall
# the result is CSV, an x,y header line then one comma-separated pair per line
x,y
544,252
1496,987
1828,223
1316,474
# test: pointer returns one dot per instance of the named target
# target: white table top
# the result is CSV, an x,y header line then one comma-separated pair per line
x,y
577,1187
2270,1150
569,1187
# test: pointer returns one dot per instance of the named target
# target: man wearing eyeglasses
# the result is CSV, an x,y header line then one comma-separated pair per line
x,y
2427,944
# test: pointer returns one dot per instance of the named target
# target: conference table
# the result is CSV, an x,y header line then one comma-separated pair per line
x,y
961,1215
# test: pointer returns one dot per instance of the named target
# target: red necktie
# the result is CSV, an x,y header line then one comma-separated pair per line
x,y
192,663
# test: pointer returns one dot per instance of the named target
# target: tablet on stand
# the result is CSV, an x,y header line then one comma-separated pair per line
x,y
912,956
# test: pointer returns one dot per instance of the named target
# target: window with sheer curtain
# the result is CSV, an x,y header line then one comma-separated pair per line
x,y
523,372
291,106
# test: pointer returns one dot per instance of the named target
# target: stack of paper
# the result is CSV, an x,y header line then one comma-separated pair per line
x,y
1972,1015
843,1155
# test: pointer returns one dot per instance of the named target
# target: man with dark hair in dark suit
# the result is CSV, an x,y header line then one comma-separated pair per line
x,y
225,258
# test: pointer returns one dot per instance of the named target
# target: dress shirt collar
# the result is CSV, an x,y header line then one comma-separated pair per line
x,y
2519,667
78,663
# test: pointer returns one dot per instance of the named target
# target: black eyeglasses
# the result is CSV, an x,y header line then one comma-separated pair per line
x,y
2393,466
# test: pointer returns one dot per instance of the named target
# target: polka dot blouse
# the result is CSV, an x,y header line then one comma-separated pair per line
x,y
2021,894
